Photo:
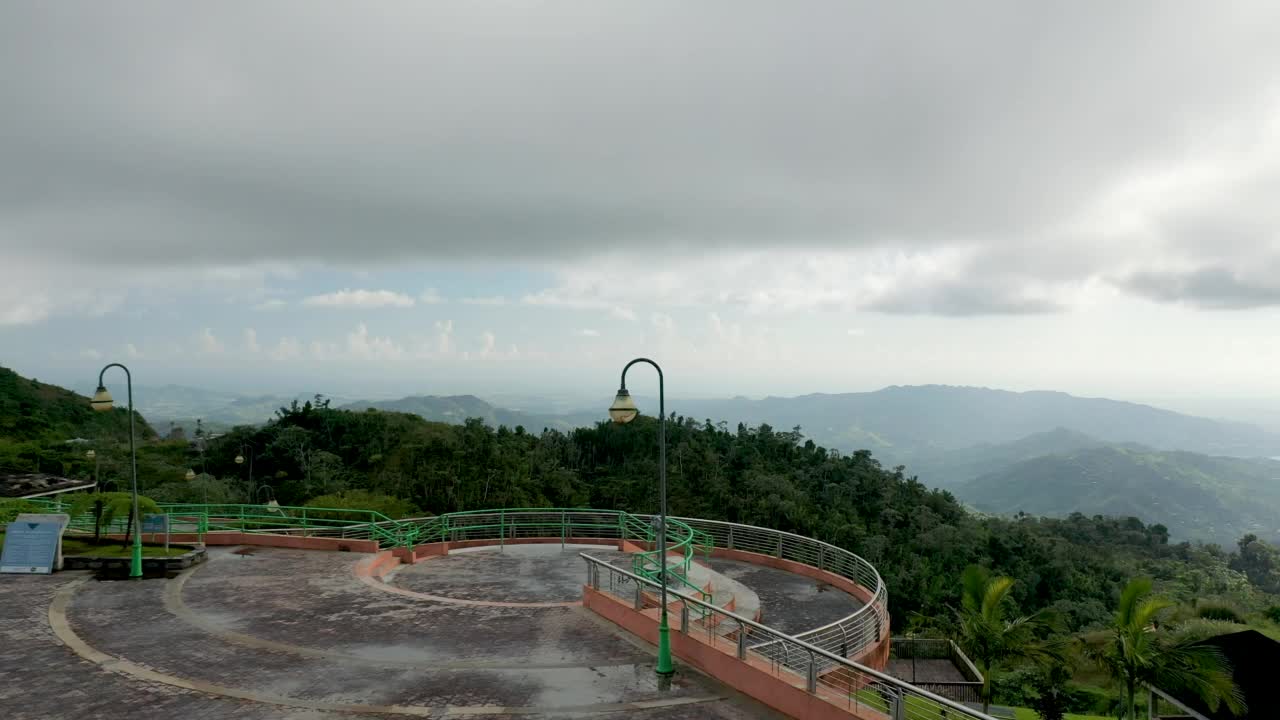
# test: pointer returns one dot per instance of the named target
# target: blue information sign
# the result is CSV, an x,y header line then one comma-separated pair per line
x,y
30,547
155,523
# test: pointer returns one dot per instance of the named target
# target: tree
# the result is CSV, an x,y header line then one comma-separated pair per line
x,y
1051,699
1135,652
106,507
987,636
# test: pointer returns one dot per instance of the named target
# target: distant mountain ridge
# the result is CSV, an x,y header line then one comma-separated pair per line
x,y
901,422
457,409
1201,497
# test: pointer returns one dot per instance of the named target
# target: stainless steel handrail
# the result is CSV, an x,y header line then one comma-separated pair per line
x,y
834,678
849,636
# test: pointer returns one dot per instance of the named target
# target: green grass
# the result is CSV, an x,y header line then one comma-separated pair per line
x,y
73,546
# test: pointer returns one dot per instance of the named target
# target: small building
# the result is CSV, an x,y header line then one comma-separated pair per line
x,y
937,665
22,485
1254,659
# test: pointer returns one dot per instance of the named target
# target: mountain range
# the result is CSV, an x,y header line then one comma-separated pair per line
x,y
1196,496
1045,453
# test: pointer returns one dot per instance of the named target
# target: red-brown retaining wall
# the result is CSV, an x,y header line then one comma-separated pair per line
x,y
721,662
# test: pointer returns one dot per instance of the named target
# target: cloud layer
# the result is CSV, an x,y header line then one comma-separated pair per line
x,y
157,135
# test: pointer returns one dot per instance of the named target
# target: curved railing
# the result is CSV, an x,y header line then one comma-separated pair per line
x,y
849,636
863,690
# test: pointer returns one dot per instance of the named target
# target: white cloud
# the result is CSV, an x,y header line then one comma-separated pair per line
x,y
131,351
487,342
856,332
724,332
288,348
359,299
623,313
444,337
90,354
430,296
490,300
272,304
663,322
209,343
362,345
587,332
250,341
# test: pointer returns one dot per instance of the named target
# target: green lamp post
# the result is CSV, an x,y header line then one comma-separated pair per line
x,y
623,411
102,402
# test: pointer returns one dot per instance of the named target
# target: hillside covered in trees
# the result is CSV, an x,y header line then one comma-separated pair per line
x,y
921,539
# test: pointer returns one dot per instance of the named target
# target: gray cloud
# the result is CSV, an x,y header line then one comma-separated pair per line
x,y
1211,287
357,135
962,300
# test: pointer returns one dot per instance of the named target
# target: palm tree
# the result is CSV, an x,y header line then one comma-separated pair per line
x,y
987,636
1134,652
106,507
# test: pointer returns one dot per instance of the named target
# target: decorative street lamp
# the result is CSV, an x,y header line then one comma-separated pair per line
x,y
102,402
623,411
240,461
191,474
93,455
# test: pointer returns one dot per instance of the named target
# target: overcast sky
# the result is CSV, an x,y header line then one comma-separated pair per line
x,y
766,197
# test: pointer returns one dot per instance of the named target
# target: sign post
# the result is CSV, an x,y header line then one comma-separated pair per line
x,y
33,543
157,523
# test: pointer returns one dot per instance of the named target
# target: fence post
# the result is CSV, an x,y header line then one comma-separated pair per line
x,y
822,557
742,641
730,543
812,684
684,618
563,528
778,554
502,530
899,705
304,522
639,597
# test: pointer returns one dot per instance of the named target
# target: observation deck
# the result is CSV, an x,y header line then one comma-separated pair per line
x,y
498,613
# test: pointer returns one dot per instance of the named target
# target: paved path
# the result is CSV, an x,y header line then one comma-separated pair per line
x,y
294,634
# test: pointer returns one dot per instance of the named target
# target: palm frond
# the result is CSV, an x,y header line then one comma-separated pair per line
x,y
1137,589
994,596
973,584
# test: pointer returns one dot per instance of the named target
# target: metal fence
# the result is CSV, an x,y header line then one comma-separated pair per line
x,y
933,651
820,672
847,637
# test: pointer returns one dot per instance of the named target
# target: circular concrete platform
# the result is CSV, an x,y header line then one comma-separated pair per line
x,y
294,634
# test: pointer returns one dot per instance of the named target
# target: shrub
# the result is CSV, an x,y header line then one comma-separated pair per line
x,y
11,509
1219,611
392,507
1273,613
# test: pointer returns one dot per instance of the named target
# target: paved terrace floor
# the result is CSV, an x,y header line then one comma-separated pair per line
x,y
789,602
271,633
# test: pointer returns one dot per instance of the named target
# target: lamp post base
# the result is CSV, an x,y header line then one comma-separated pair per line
x,y
135,567
665,666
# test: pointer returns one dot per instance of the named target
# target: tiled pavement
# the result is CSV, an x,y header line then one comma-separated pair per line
x,y
298,626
